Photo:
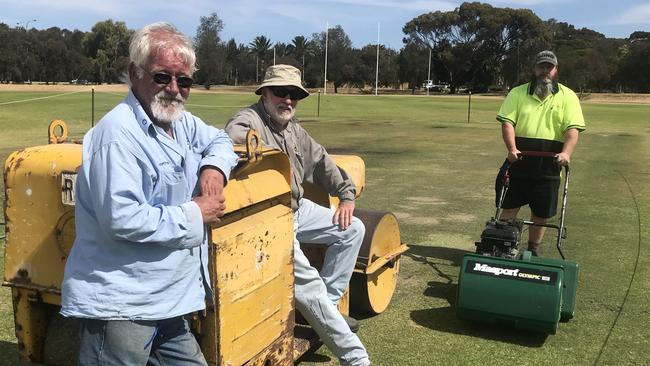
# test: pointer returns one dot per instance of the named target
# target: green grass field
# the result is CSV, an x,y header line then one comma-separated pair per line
x,y
435,171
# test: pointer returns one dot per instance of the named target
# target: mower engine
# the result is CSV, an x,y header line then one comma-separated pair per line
x,y
500,238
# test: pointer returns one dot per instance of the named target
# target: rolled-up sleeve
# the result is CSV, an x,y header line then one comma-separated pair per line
x,y
117,177
320,166
237,128
215,146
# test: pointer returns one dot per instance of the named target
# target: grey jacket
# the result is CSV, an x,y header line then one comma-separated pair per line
x,y
309,160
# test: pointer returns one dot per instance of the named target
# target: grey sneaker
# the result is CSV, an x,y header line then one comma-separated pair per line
x,y
352,323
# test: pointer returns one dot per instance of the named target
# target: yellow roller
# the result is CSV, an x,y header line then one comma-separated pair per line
x,y
375,276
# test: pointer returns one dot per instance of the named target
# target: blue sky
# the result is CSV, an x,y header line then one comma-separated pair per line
x,y
281,20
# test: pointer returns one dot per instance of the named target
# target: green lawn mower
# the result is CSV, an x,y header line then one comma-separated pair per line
x,y
499,285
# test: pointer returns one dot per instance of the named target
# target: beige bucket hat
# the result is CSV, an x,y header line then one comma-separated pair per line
x,y
282,75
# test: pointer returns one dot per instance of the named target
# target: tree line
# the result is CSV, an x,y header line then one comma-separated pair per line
x,y
475,46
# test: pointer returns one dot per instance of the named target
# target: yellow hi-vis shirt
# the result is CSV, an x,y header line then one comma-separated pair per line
x,y
540,124
546,119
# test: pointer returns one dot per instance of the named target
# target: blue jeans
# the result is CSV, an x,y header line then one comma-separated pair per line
x,y
138,342
317,294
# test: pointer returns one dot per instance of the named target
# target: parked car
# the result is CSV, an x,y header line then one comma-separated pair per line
x,y
441,87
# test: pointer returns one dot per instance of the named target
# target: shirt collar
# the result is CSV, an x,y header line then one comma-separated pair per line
x,y
140,115
147,125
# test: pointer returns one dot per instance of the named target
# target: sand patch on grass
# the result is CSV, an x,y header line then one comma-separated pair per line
x,y
408,218
422,220
447,240
427,200
461,217
402,215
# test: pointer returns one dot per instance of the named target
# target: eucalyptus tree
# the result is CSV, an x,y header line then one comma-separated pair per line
x,y
107,44
341,59
209,55
366,68
473,41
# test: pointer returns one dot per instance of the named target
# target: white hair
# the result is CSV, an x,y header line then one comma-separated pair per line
x,y
160,35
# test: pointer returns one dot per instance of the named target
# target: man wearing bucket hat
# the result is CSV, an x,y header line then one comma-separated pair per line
x,y
317,295
545,116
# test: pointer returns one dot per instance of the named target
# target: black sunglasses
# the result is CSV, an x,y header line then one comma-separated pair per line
x,y
164,79
283,91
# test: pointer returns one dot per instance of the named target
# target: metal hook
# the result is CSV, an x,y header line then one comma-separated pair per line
x,y
52,135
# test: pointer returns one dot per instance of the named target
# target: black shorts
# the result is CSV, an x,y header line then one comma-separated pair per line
x,y
540,194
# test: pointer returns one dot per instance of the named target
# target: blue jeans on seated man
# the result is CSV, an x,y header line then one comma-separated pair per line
x,y
317,294
138,342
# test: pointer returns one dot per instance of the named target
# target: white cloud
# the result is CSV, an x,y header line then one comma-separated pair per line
x,y
318,6
526,3
419,5
639,14
45,7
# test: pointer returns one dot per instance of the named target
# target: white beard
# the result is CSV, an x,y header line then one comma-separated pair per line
x,y
278,115
166,108
543,88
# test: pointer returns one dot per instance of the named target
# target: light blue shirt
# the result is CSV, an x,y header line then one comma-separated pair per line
x,y
141,247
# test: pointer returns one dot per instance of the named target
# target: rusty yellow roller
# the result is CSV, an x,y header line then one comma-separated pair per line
x,y
375,276
250,320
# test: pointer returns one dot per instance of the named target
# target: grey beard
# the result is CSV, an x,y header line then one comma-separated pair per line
x,y
167,109
281,119
543,88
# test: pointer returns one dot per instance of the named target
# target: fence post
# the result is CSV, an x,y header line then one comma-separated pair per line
x,y
92,118
469,106
318,110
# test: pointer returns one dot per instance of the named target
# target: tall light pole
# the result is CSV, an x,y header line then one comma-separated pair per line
x,y
377,68
429,74
26,29
26,26
327,31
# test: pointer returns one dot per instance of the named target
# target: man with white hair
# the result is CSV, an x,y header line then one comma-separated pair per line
x,y
540,116
317,295
151,178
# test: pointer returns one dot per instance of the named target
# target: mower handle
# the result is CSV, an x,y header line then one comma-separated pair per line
x,y
543,154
